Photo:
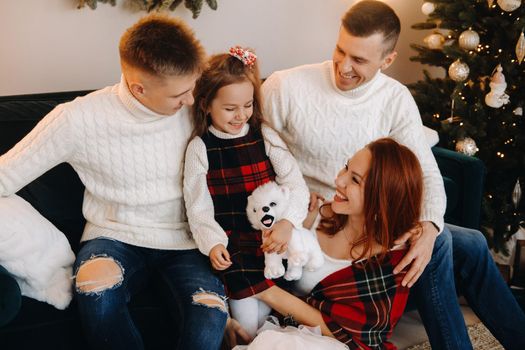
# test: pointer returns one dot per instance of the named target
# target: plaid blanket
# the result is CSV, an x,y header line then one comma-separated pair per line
x,y
362,303
237,167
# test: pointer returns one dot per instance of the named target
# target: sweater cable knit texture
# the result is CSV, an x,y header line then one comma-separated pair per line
x,y
324,126
129,158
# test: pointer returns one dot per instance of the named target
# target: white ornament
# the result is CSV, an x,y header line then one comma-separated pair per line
x,y
469,40
427,8
509,5
458,71
520,48
516,194
518,111
434,41
497,96
467,146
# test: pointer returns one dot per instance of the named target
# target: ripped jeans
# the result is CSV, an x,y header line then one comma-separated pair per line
x,y
108,273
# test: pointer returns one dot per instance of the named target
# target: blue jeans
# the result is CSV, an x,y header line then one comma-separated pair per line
x,y
105,316
462,255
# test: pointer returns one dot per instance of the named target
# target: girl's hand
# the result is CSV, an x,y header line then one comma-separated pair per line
x,y
220,257
276,239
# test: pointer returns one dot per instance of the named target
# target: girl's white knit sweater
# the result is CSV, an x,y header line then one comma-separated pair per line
x,y
129,158
324,126
199,204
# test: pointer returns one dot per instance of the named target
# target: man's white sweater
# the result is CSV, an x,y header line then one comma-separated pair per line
x,y
324,126
129,158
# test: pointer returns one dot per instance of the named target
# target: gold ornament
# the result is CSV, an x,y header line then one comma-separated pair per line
x,y
469,40
427,8
467,146
490,3
458,71
509,5
434,41
520,48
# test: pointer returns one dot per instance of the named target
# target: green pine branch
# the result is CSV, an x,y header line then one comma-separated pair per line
x,y
498,132
195,6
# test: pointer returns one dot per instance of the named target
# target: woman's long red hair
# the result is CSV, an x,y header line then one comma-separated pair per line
x,y
393,195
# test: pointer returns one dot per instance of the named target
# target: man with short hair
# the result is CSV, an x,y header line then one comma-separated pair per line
x,y
326,112
127,144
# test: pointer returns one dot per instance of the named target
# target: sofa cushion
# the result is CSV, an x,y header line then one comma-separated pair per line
x,y
10,297
35,252
452,190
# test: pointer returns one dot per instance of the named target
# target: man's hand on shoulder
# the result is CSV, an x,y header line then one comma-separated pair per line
x,y
421,245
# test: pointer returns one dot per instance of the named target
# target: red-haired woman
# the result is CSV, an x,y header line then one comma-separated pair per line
x,y
355,297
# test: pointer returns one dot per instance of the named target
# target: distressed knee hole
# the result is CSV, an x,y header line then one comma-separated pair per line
x,y
98,274
209,299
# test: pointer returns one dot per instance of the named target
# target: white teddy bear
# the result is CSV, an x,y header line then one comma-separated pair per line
x,y
265,206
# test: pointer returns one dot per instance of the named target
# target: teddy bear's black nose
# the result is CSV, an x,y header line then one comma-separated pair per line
x,y
266,209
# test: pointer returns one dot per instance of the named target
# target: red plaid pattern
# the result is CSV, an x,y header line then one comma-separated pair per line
x,y
236,167
362,303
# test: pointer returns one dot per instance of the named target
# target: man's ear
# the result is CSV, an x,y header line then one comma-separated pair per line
x,y
388,60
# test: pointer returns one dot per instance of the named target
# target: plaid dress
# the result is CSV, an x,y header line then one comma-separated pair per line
x,y
236,167
362,303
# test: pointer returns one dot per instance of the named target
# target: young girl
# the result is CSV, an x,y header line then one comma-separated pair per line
x,y
232,153
355,297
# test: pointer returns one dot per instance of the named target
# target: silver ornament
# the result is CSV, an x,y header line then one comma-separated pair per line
x,y
458,71
509,5
427,8
469,40
434,41
518,111
467,146
516,194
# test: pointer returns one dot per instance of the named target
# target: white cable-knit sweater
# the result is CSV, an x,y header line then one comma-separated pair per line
x,y
324,126
199,204
129,158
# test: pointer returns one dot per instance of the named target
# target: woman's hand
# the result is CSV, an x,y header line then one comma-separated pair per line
x,y
234,334
220,257
316,200
420,252
276,239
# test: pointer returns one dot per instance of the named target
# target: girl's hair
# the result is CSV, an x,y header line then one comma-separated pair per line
x,y
222,70
393,196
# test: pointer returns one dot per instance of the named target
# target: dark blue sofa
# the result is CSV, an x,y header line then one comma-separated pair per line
x,y
29,324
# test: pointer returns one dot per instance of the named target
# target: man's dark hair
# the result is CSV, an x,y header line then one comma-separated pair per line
x,y
369,17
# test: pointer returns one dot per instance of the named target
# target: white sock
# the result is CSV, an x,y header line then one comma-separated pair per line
x,y
246,312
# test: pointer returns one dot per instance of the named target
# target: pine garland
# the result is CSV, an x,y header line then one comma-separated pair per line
x,y
195,6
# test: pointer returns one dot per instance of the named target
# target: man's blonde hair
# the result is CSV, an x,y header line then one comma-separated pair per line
x,y
162,45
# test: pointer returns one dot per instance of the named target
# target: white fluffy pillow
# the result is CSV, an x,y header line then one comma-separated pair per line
x,y
35,252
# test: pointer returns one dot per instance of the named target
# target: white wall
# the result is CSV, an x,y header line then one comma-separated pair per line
x,y
50,46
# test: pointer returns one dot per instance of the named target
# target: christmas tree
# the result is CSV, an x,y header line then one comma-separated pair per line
x,y
477,108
